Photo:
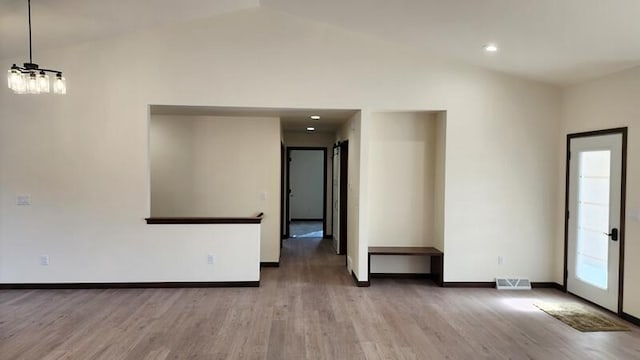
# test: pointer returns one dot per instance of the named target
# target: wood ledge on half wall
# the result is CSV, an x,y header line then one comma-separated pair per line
x,y
205,220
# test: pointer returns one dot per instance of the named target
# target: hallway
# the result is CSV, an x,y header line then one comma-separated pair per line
x,y
307,229
310,260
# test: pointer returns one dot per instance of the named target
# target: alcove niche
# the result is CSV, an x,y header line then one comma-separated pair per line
x,y
406,186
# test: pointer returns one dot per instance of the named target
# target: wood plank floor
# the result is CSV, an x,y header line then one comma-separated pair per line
x,y
306,309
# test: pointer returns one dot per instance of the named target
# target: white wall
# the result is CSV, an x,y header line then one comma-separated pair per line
x,y
610,102
86,152
307,184
356,249
171,152
402,179
440,119
205,166
401,185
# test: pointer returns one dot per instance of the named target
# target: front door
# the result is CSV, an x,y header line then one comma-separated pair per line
x,y
595,181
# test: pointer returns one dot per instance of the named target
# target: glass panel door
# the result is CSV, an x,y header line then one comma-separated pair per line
x,y
593,222
593,217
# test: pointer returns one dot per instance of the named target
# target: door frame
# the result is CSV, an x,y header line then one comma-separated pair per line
x,y
623,197
282,194
344,193
324,185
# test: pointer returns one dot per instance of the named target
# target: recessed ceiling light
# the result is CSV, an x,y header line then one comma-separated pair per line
x,y
315,117
491,48
311,129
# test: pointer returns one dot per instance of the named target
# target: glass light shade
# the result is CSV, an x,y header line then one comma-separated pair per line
x,y
10,76
21,85
43,83
32,83
15,81
60,85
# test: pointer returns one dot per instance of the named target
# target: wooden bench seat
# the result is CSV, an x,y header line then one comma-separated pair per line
x,y
437,257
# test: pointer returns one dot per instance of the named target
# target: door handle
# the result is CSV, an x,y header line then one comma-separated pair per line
x,y
613,235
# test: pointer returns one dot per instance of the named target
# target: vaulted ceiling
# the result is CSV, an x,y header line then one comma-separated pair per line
x,y
64,22
556,41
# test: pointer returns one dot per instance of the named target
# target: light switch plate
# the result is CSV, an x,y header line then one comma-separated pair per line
x,y
23,200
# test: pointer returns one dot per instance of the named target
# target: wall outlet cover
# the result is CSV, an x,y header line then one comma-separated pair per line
x,y
23,200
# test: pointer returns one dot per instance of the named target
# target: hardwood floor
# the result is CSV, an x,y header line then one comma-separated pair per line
x,y
306,228
308,308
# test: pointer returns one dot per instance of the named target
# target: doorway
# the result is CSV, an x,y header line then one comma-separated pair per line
x,y
340,193
306,203
283,160
594,216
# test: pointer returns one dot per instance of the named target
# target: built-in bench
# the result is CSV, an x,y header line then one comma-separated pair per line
x,y
437,257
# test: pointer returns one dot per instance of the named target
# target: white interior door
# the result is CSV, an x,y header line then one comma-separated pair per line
x,y
336,199
595,185
306,175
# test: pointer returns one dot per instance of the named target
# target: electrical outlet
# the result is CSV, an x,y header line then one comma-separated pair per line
x,y
211,259
44,260
500,260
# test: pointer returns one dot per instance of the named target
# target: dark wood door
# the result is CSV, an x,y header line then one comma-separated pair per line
x,y
344,187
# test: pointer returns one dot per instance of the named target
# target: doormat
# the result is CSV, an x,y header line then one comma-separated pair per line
x,y
580,318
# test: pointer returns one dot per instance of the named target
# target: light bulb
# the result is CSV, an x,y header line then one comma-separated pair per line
x,y
491,48
43,82
59,85
32,83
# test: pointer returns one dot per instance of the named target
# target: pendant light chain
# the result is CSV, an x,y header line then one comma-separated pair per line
x,y
30,50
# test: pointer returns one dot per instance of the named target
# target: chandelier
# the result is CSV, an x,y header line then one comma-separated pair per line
x,y
30,78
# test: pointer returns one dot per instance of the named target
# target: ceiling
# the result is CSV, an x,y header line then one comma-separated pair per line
x,y
296,120
58,23
556,41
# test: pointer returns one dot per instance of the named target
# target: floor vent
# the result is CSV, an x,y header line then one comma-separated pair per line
x,y
513,284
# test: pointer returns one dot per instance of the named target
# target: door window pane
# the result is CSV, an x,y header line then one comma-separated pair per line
x,y
594,169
